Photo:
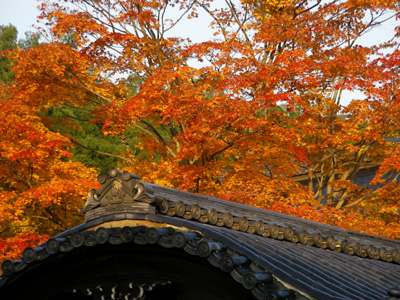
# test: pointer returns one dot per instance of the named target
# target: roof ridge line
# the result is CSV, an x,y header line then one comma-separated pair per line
x,y
260,226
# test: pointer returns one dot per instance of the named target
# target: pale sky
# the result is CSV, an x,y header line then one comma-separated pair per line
x,y
20,13
23,13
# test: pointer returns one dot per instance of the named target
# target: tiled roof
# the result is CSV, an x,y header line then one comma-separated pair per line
x,y
270,254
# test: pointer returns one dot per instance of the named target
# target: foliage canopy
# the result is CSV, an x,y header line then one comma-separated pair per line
x,y
237,116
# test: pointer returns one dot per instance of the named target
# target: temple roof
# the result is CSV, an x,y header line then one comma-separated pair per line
x,y
267,253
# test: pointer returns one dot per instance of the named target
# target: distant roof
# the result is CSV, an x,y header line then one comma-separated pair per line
x,y
268,254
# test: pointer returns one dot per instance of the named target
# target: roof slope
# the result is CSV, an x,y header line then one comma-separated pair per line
x,y
301,258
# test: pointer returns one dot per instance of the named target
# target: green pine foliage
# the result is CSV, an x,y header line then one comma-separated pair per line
x,y
9,41
92,147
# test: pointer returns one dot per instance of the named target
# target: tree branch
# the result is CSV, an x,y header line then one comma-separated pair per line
x,y
100,152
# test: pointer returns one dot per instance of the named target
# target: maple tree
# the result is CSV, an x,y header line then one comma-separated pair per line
x,y
41,190
237,116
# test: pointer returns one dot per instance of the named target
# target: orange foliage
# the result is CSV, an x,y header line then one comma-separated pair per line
x,y
264,106
41,189
12,247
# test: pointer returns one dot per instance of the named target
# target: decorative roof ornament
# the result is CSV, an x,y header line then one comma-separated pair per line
x,y
120,193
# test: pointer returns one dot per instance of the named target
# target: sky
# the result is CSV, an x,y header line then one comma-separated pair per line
x,y
20,13
23,13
